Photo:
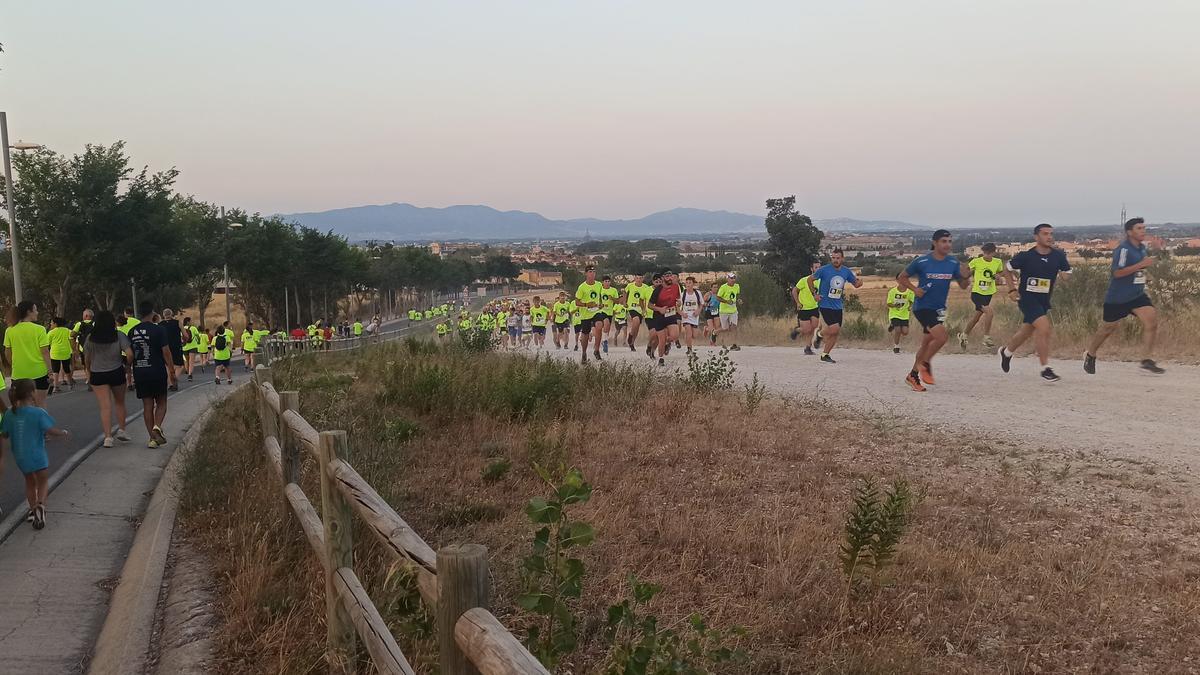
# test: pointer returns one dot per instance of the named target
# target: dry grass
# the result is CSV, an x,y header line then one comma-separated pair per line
x,y
1019,559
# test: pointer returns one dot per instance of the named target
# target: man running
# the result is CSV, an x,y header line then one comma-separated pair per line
x,y
656,282
637,293
690,307
832,280
1127,295
222,347
173,334
79,334
61,352
539,315
899,302
665,303
1040,267
729,295
935,270
984,271
808,317
609,296
588,298
152,374
562,321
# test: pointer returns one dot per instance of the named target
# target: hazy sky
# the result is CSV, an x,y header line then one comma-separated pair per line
x,y
946,113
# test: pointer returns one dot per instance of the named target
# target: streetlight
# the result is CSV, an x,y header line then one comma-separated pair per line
x,y
228,311
9,197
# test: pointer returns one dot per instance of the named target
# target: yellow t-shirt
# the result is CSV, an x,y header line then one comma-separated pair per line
x,y
538,314
807,301
638,295
983,275
562,312
576,316
26,340
128,325
899,303
608,297
729,292
591,294
60,343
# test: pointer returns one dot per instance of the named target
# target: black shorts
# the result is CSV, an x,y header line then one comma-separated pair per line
x,y
539,330
562,325
222,362
897,323
980,301
1119,310
579,328
110,378
1032,310
806,314
42,383
831,317
60,366
177,359
635,314
600,316
928,318
663,322
150,386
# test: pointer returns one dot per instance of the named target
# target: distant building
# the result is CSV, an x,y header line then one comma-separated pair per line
x,y
540,278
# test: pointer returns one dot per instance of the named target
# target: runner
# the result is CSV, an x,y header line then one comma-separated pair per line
x,y
1040,267
576,323
61,352
656,282
637,293
712,313
505,329
222,346
935,270
664,301
443,329
152,374
27,348
620,319
106,353
204,341
729,295
589,297
899,302
79,333
562,321
609,296
539,315
174,336
808,317
27,425
984,271
526,326
1127,295
512,338
832,280
128,321
192,336
691,306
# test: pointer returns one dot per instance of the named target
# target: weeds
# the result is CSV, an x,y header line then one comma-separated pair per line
x,y
873,528
495,469
755,393
714,373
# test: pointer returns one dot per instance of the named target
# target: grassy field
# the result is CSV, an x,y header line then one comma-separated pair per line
x,y
1076,315
1017,559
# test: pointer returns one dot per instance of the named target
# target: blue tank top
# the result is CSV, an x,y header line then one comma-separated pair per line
x,y
714,304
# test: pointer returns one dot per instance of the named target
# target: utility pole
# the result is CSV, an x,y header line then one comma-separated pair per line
x,y
12,212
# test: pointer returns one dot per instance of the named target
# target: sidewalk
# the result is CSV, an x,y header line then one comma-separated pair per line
x,y
55,583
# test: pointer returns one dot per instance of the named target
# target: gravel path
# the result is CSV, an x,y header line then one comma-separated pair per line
x,y
1119,411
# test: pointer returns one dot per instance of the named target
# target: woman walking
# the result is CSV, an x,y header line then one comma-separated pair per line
x,y
102,357
27,346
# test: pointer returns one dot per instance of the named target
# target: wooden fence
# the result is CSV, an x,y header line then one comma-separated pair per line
x,y
453,582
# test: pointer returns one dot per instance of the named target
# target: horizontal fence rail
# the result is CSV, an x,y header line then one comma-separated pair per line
x,y
452,582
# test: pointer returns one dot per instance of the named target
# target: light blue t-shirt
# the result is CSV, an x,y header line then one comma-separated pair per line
x,y
833,281
1131,287
26,429
935,277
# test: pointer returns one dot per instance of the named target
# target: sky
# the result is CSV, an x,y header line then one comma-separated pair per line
x,y
1005,113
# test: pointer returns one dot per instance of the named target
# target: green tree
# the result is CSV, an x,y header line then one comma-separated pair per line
x,y
792,241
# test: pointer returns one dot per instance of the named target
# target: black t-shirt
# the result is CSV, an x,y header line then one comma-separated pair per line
x,y
173,335
148,340
1039,273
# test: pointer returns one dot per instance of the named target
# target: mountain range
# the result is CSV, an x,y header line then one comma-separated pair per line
x,y
405,222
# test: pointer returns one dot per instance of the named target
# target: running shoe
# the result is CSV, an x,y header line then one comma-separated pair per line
x,y
825,358
189,378
962,341
713,337
1049,376
605,344
988,341
735,348
174,387
229,381
596,354
795,332
151,443
808,351
926,374
1149,366
1089,364
817,342
678,345
895,350
108,442
650,350
914,382
631,347
1005,359
576,348
662,361
122,435
217,381
159,436
29,516
39,517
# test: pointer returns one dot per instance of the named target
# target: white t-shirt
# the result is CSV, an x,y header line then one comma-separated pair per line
x,y
692,301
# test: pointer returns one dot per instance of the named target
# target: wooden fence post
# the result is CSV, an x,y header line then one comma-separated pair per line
x,y
339,551
462,584
289,400
266,416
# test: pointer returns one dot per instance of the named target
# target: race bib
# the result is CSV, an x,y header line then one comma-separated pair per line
x,y
669,312
1036,285
835,293
984,284
942,314
1139,277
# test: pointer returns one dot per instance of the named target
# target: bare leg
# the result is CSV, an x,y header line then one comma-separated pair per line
x,y
103,399
1042,332
1149,318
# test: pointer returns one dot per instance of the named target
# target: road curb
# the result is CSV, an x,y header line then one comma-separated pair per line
x,y
124,641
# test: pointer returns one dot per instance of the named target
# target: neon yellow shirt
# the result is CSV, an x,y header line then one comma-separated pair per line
x,y
730,293
128,325
608,297
202,343
619,312
899,303
638,295
358,327
442,328
60,343
591,294
576,315
807,301
26,340
562,312
538,314
464,324
249,341
983,275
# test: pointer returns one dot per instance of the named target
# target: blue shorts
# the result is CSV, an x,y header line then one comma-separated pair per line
x,y
514,332
1032,310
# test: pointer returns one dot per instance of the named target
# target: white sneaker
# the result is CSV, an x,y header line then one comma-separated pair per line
x,y
108,442
122,436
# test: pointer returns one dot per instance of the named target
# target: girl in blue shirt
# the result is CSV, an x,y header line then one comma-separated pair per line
x,y
26,427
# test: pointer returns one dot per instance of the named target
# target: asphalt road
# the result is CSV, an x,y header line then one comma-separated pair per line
x,y
78,412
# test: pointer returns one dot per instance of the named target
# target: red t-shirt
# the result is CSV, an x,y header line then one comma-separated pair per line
x,y
665,296
299,333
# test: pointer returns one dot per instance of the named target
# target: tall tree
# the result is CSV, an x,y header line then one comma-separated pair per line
x,y
793,241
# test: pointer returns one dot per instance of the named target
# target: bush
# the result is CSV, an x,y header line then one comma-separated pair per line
x,y
714,373
861,328
762,295
477,340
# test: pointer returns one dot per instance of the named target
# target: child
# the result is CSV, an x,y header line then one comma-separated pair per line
x,y
27,426
61,352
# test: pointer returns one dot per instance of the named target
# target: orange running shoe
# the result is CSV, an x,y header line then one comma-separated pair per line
x,y
913,382
926,374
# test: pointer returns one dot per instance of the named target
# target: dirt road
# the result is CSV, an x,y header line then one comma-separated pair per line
x,y
1118,412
